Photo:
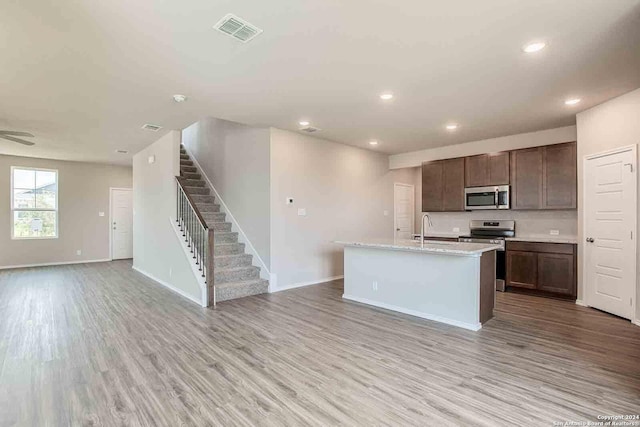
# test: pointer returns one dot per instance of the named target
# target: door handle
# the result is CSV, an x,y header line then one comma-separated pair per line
x,y
590,240
397,229
630,165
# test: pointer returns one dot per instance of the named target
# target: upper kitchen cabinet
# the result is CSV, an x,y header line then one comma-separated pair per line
x,y
487,169
544,177
526,178
559,176
432,186
443,185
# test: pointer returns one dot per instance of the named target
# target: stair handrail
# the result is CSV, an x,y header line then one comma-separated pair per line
x,y
198,235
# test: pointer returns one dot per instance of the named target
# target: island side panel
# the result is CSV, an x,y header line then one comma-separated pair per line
x,y
487,285
440,287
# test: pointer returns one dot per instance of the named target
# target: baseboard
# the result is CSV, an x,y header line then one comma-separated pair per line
x,y
464,325
49,264
242,237
581,303
303,284
167,285
636,322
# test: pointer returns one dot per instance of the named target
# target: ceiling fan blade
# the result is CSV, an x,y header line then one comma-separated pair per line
x,y
18,140
10,132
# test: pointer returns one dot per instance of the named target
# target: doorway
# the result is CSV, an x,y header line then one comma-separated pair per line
x,y
610,218
404,208
121,223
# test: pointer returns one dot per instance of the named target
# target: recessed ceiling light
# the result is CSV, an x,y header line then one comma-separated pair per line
x,y
122,151
386,96
179,98
572,101
452,126
373,142
534,47
304,123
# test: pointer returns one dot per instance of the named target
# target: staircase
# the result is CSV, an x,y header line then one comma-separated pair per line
x,y
234,275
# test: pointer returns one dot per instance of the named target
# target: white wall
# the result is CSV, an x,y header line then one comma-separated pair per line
x,y
235,158
504,143
345,191
616,123
83,192
157,252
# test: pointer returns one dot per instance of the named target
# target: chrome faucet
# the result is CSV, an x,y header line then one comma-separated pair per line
x,y
425,215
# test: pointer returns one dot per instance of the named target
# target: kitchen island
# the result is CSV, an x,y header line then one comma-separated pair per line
x,y
449,282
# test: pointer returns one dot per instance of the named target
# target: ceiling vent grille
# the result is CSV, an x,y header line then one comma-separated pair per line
x,y
310,129
237,28
154,128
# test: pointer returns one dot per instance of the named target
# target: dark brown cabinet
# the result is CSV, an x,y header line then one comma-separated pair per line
x,y
526,178
523,268
542,268
487,169
544,177
453,195
432,186
443,185
540,178
559,176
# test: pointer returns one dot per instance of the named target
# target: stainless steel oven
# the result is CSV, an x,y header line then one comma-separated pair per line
x,y
483,198
493,232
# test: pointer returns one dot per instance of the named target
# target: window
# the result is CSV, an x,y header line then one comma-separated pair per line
x,y
34,203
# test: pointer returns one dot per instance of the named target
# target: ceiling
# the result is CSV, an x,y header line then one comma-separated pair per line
x,y
84,76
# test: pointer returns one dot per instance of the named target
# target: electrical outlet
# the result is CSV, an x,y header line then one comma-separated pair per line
x,y
374,286
385,213
302,212
554,232
100,213
151,159
170,271
78,252
456,229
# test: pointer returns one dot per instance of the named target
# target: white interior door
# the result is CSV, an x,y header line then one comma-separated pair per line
x,y
121,224
404,210
610,231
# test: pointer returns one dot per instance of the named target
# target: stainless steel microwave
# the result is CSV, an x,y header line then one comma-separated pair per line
x,y
480,198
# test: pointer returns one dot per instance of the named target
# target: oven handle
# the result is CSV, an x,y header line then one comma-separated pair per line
x,y
496,198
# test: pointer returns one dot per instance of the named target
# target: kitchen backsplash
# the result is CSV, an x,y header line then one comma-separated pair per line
x,y
528,223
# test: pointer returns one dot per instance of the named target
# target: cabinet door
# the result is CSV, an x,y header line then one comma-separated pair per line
x,y
559,185
499,168
522,269
432,186
476,171
453,194
526,178
556,273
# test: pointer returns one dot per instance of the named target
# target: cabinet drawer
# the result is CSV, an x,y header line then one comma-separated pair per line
x,y
550,248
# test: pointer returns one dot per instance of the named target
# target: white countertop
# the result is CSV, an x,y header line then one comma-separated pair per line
x,y
442,248
572,240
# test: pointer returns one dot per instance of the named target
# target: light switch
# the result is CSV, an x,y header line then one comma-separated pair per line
x,y
151,159
100,213
78,252
302,212
385,213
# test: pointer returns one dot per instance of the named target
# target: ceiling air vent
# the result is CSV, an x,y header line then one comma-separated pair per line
x,y
310,129
237,28
154,128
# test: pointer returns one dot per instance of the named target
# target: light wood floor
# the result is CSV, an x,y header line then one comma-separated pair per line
x,y
99,344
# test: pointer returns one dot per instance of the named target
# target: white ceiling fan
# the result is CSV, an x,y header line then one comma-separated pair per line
x,y
10,135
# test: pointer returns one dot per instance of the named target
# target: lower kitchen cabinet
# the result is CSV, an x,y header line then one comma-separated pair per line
x,y
542,268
